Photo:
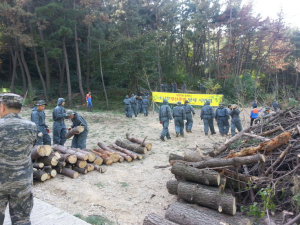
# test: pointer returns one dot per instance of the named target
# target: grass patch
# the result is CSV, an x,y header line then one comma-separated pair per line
x,y
100,185
95,220
124,184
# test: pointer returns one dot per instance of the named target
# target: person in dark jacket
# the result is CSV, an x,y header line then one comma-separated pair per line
x,y
145,105
235,119
38,117
207,114
183,88
189,117
164,118
179,117
139,100
134,105
128,110
254,114
275,106
222,117
166,87
59,127
175,87
254,104
172,88
79,140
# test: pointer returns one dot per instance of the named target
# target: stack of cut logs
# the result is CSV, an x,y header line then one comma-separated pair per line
x,y
50,160
262,159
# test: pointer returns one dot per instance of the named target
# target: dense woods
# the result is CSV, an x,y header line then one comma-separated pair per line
x,y
64,47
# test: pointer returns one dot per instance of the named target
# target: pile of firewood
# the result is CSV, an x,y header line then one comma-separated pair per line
x,y
50,160
257,169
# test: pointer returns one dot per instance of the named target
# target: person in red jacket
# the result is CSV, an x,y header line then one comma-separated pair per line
x,y
89,104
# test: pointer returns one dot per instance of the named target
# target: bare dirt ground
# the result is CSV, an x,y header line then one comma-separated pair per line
x,y
126,192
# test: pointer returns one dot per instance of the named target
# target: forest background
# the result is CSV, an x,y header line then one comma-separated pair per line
x,y
65,48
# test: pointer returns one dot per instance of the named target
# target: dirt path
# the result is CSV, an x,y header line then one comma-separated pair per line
x,y
127,192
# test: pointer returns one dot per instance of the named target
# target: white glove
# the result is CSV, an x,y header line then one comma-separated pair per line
x,y
40,134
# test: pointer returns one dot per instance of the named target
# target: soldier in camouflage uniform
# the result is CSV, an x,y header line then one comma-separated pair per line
x,y
17,137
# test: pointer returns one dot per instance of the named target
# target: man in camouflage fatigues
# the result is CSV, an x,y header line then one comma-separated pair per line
x,y
17,137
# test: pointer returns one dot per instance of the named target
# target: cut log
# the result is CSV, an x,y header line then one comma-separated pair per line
x,y
172,186
90,167
39,151
40,175
123,155
50,160
207,196
121,159
201,176
69,173
51,171
173,157
112,155
73,131
106,159
132,154
99,168
256,137
66,150
81,163
91,155
193,156
139,141
133,147
68,158
215,162
153,219
80,170
38,165
98,160
269,146
190,214
58,169
223,147
271,131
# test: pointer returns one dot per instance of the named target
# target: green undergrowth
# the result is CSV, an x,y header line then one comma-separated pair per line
x,y
95,220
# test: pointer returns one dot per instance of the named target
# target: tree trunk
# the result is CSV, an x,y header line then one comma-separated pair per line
x,y
23,74
65,150
88,58
207,196
139,141
14,72
48,78
132,154
132,147
61,76
201,176
69,173
78,65
102,78
40,175
39,151
68,72
215,162
73,131
190,214
153,219
194,156
26,69
174,157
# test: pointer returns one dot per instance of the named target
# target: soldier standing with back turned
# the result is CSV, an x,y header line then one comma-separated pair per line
x,y
17,137
179,117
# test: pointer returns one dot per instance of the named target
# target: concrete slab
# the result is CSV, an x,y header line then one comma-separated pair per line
x,y
46,214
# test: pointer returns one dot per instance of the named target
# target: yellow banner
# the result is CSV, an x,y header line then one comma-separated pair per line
x,y
194,99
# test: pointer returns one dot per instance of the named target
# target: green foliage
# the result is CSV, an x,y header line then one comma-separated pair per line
x,y
95,220
211,86
100,185
124,184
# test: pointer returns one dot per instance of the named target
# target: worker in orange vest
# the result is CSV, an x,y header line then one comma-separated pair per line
x,y
254,114
89,104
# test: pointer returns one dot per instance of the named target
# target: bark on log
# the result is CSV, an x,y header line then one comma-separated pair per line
x,y
91,155
191,214
194,156
173,157
80,170
68,158
99,169
73,131
132,154
132,147
58,169
223,147
153,219
38,165
106,159
256,137
215,162
66,150
40,175
69,173
81,163
50,160
269,146
201,176
112,155
90,167
51,171
271,131
123,155
39,151
139,141
207,196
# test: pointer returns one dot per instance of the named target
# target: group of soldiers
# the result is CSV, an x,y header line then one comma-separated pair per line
x,y
136,105
173,88
186,112
17,137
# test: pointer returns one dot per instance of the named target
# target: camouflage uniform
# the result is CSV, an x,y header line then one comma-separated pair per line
x,y
17,136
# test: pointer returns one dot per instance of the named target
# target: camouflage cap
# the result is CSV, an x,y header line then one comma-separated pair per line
x,y
70,112
10,97
40,102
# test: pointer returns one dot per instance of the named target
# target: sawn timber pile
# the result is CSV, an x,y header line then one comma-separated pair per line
x,y
257,168
50,160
